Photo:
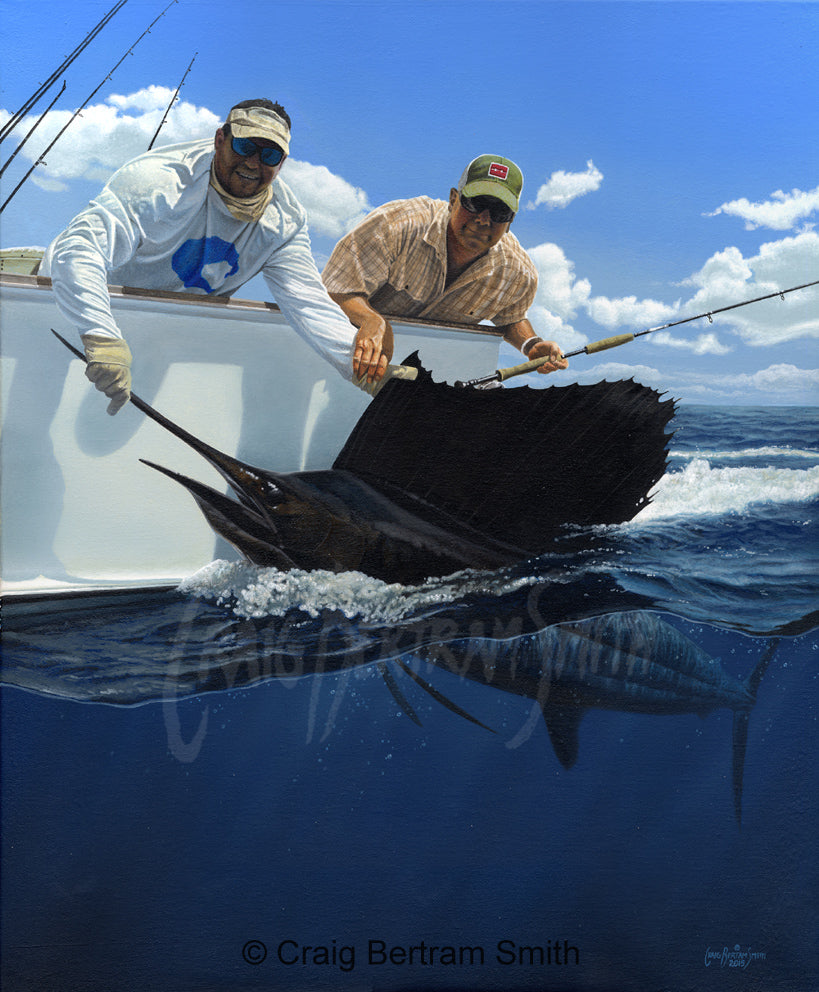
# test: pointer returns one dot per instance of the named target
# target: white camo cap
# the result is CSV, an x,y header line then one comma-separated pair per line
x,y
259,122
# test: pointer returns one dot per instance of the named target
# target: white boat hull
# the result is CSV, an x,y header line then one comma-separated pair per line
x,y
79,509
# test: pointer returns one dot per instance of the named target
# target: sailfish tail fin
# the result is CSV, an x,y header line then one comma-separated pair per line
x,y
740,726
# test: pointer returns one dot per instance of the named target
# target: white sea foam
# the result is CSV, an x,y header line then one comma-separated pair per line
x,y
261,592
702,491
809,454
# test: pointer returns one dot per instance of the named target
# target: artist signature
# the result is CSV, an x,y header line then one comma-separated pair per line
x,y
732,957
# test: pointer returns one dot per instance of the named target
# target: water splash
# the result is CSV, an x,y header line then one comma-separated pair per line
x,y
703,491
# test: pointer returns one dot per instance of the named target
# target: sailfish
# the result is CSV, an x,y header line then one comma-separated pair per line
x,y
435,479
632,662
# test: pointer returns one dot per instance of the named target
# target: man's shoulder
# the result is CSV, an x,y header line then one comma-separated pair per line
x,y
515,254
418,211
189,155
172,166
284,202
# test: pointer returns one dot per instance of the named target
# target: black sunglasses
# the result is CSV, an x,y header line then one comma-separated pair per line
x,y
246,147
499,213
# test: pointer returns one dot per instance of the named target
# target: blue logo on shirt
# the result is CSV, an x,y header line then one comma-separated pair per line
x,y
195,256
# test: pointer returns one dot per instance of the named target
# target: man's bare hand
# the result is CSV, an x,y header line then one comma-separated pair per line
x,y
373,348
548,349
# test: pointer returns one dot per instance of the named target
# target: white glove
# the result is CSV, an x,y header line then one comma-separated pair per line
x,y
109,368
391,372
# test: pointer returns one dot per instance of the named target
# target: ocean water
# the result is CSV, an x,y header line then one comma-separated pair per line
x,y
214,787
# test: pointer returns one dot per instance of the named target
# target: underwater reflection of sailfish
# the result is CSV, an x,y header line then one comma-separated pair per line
x,y
434,479
633,662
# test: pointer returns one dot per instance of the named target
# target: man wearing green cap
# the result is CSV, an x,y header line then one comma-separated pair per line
x,y
454,262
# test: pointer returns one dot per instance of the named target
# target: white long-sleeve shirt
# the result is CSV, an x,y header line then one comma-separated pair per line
x,y
159,224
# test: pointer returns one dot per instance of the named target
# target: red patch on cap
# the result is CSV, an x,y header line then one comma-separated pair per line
x,y
498,171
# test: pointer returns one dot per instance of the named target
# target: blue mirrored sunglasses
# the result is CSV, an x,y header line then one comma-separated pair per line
x,y
247,147
499,213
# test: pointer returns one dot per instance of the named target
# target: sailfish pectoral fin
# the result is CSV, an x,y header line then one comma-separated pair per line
x,y
563,722
397,695
440,697
247,531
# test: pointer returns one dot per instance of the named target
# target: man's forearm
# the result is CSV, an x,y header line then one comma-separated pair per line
x,y
522,335
79,281
374,341
356,306
519,333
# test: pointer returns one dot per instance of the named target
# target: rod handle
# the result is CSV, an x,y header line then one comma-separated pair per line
x,y
503,374
605,343
590,349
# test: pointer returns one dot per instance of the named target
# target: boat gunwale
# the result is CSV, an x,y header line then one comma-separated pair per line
x,y
229,303
65,595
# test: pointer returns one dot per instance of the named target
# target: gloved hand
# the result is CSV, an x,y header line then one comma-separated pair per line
x,y
392,372
109,368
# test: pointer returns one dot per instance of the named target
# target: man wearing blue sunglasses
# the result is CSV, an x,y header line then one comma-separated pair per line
x,y
200,217
455,262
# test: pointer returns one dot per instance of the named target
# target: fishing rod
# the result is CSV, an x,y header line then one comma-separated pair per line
x,y
88,99
34,127
501,375
173,101
14,120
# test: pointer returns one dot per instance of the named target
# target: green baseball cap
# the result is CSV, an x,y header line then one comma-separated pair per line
x,y
493,175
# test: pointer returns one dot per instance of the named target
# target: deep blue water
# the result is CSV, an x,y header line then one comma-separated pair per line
x,y
178,782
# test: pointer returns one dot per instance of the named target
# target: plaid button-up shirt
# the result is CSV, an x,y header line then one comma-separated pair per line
x,y
396,257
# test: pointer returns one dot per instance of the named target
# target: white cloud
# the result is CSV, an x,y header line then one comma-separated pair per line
x,y
729,277
563,187
106,135
703,344
557,285
559,296
630,312
333,205
783,384
781,212
779,379
612,372
726,278
147,99
109,134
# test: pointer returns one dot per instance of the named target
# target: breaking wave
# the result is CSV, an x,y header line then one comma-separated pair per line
x,y
701,490
768,451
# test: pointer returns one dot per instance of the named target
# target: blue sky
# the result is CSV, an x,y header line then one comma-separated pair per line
x,y
670,150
